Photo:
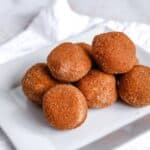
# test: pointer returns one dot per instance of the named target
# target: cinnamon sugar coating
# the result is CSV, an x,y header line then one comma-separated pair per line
x,y
64,107
36,82
99,89
68,62
114,52
134,86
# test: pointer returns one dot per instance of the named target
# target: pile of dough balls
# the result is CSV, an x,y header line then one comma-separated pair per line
x,y
78,76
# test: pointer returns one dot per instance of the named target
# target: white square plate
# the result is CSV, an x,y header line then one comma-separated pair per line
x,y
25,125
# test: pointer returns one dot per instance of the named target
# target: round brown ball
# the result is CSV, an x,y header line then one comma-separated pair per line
x,y
114,52
68,62
134,86
64,107
99,89
36,82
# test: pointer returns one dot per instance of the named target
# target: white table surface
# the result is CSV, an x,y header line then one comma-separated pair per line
x,y
15,15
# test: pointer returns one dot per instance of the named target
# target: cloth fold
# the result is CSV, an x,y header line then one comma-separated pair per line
x,y
51,25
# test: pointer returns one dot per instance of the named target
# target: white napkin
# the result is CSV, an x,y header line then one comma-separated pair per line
x,y
52,24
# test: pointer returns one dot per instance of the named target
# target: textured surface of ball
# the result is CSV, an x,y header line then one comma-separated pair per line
x,y
114,52
64,107
68,62
36,82
99,89
134,86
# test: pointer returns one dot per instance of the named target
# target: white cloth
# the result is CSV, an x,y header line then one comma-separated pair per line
x,y
59,22
52,24
16,15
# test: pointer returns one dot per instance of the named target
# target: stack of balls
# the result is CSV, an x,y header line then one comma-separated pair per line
x,y
78,76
